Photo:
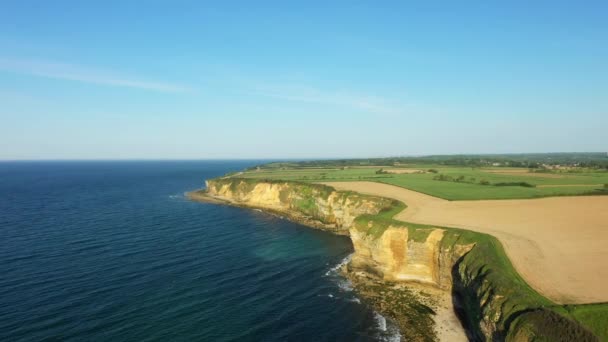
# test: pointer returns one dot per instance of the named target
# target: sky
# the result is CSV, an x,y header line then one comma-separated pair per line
x,y
305,79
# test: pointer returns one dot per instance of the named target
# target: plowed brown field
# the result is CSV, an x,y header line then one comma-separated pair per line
x,y
559,244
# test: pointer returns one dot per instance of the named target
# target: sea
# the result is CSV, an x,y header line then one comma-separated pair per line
x,y
114,251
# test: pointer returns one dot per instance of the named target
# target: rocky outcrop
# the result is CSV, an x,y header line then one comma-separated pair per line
x,y
395,252
313,204
397,256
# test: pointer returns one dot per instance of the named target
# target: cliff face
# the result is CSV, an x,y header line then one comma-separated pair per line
x,y
394,253
317,205
397,256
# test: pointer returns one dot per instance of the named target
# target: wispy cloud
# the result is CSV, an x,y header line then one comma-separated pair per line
x,y
78,73
299,93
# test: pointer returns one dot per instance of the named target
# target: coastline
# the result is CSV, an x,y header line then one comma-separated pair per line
x,y
492,299
422,312
200,195
409,305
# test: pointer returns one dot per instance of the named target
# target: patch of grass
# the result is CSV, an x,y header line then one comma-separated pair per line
x,y
394,208
548,325
418,234
306,205
375,225
593,316
372,225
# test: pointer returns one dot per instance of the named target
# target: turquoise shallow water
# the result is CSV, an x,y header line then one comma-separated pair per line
x,y
99,251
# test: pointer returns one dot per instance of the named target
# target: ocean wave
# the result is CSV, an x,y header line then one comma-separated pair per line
x,y
388,331
345,285
380,321
342,263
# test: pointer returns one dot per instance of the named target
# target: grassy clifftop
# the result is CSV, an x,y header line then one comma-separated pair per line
x,y
496,303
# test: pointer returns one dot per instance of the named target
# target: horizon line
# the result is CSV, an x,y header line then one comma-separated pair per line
x,y
288,158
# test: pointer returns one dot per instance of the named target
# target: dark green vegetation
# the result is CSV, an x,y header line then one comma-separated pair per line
x,y
472,180
595,317
540,325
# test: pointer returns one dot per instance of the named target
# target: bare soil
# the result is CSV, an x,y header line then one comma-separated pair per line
x,y
559,245
404,171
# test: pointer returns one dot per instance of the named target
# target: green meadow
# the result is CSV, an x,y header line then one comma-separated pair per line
x,y
459,183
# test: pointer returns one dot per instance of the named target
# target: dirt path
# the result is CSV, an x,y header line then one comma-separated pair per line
x,y
559,244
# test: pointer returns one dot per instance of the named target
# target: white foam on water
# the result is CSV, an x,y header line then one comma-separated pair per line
x,y
389,332
380,321
386,330
178,197
342,263
393,334
345,285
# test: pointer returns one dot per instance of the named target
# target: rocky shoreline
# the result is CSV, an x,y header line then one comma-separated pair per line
x,y
201,196
420,311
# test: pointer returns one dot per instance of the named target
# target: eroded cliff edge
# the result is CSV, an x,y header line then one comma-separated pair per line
x,y
317,205
494,302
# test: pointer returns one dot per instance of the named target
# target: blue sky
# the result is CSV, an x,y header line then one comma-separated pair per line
x,y
180,80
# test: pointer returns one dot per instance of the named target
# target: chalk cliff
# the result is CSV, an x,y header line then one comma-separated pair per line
x,y
393,252
318,205
398,255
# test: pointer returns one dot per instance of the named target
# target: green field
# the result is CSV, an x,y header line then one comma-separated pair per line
x,y
464,183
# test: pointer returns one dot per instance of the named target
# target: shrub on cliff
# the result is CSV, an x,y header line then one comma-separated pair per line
x,y
547,325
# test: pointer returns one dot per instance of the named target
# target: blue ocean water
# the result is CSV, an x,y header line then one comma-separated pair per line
x,y
113,251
